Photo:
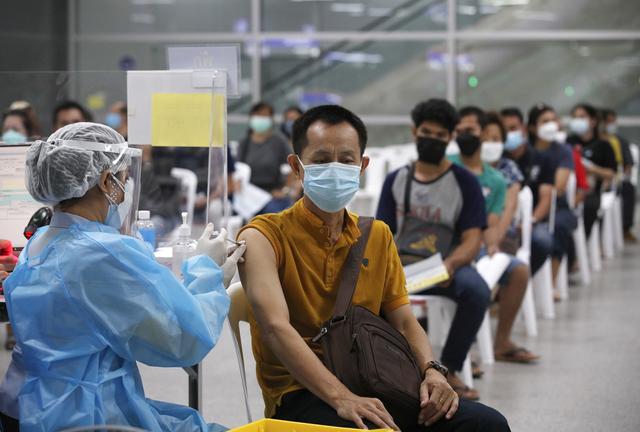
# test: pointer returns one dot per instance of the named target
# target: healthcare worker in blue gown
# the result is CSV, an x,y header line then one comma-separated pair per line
x,y
86,302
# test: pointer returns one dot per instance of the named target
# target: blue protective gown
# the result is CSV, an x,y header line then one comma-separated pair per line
x,y
84,310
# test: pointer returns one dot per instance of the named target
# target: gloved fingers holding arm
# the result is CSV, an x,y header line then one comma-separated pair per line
x,y
230,267
215,247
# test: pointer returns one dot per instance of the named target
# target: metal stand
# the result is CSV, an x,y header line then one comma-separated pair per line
x,y
195,386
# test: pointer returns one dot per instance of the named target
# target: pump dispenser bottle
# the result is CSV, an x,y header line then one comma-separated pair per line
x,y
184,248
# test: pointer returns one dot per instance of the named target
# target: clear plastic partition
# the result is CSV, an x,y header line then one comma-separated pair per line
x,y
175,177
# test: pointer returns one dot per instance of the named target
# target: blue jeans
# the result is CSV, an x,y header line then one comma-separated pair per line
x,y
473,297
276,205
541,246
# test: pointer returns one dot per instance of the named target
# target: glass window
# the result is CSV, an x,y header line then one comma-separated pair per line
x,y
548,15
148,56
558,73
369,77
370,15
166,16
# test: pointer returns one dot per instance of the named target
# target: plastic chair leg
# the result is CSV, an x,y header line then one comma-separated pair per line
x,y
607,234
580,241
543,290
467,374
528,310
562,280
618,230
594,248
485,343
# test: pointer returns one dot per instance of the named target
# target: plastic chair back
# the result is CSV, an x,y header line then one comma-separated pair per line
x,y
239,311
525,216
242,173
571,189
188,185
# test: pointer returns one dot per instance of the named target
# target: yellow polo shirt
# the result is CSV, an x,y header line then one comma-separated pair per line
x,y
309,269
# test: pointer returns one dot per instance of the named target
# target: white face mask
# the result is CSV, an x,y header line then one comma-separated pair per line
x,y
548,131
491,151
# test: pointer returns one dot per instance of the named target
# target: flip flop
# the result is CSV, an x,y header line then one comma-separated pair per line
x,y
466,392
476,370
517,355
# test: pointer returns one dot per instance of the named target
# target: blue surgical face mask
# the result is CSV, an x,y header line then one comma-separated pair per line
x,y
514,140
13,137
287,127
260,124
113,120
117,213
332,185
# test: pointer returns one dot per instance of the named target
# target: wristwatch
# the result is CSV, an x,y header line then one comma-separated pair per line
x,y
434,364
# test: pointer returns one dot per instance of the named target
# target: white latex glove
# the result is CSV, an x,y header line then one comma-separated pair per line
x,y
215,248
230,267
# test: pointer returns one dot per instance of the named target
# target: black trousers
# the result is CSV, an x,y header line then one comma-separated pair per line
x,y
590,211
303,406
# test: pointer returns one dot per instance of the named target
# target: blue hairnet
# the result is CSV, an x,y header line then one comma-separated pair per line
x,y
56,172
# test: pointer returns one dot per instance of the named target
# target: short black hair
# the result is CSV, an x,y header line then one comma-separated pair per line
x,y
259,106
24,117
70,104
589,109
512,112
606,112
438,111
536,111
331,115
492,118
295,108
472,111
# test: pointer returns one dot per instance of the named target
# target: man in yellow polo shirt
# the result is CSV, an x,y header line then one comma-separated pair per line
x,y
291,276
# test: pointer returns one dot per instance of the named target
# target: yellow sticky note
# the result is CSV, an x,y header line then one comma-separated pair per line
x,y
187,119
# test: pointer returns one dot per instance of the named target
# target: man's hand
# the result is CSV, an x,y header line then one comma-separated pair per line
x,y
437,398
355,408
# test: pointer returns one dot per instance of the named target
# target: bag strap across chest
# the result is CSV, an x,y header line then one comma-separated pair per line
x,y
351,270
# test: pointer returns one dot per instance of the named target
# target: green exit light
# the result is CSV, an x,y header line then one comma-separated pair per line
x,y
473,81
569,91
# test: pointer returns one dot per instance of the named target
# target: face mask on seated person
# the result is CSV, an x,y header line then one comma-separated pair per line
x,y
332,185
260,124
514,140
579,125
548,131
468,143
13,137
430,150
491,151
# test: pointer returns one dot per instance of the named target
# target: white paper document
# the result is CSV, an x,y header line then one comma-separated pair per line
x,y
249,200
426,273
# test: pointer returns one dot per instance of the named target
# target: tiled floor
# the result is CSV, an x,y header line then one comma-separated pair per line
x,y
588,378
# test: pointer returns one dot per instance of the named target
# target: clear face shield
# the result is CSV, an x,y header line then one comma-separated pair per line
x,y
125,170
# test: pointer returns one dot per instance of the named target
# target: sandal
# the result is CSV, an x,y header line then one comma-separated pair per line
x,y
476,370
466,392
517,355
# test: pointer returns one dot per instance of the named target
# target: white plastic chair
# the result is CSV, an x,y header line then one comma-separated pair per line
x,y
242,173
491,270
618,230
239,312
439,312
525,217
188,185
595,255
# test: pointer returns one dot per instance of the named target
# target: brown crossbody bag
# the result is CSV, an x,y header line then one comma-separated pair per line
x,y
368,355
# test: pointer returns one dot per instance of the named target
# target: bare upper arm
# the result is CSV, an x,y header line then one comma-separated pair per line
x,y
562,177
260,280
400,318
